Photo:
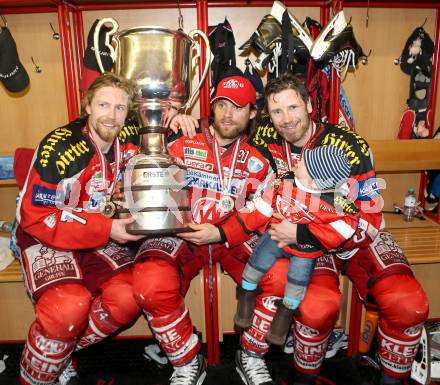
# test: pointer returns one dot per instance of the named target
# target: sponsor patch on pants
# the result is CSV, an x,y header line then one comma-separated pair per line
x,y
47,265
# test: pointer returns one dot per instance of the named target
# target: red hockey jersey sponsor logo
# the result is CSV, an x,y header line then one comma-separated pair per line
x,y
51,347
199,164
166,245
115,255
293,210
325,262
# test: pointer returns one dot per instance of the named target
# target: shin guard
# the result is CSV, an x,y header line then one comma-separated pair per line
x,y
101,325
397,353
174,332
43,359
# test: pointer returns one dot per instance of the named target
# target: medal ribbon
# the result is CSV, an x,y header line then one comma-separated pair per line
x,y
225,189
103,164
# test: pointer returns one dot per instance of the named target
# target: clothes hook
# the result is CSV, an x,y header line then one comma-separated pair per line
x,y
55,35
426,20
5,22
368,14
37,68
365,59
180,18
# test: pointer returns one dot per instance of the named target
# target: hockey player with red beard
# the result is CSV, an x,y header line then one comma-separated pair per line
x,y
75,268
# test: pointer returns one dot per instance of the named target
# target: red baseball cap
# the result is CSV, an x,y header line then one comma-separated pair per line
x,y
236,89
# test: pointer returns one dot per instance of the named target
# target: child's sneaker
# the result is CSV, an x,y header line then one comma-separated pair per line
x,y
338,340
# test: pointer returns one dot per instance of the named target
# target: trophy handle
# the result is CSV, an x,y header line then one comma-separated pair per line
x,y
108,35
192,35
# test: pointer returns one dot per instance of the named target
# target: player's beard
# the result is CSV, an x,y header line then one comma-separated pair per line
x,y
228,128
294,132
107,130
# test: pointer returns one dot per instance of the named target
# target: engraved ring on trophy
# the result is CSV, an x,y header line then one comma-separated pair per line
x,y
159,61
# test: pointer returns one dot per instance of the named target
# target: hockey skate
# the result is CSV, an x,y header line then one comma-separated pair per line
x,y
193,373
421,367
342,51
264,40
343,41
69,376
338,340
323,41
152,353
277,11
269,34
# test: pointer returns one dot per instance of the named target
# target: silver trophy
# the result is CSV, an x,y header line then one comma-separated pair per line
x,y
159,62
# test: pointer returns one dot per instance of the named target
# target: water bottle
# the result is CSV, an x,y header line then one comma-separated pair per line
x,y
409,207
5,226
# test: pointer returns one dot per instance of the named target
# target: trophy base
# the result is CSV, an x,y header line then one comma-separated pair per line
x,y
160,232
158,222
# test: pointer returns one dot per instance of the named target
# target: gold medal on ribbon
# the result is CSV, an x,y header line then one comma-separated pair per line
x,y
226,203
108,209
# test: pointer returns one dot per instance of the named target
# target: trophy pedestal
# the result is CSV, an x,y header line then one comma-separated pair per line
x,y
156,195
158,222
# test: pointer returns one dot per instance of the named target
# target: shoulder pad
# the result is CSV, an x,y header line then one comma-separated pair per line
x,y
60,153
130,132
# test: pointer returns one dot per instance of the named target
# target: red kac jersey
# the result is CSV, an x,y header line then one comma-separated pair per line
x,y
304,206
61,199
250,172
363,185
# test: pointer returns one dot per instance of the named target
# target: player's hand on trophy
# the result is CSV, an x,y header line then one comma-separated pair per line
x,y
284,232
202,234
179,161
119,233
172,111
186,123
